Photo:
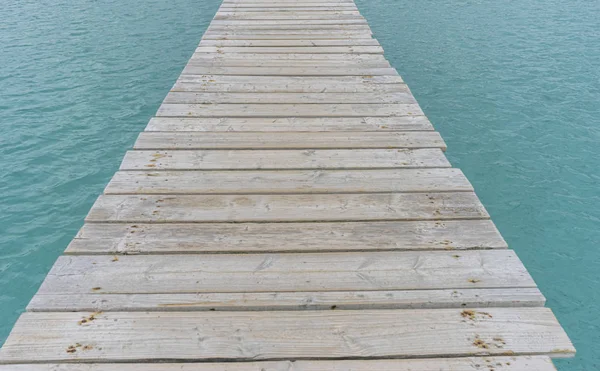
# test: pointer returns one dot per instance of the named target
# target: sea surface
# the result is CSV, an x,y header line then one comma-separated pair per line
x,y
513,86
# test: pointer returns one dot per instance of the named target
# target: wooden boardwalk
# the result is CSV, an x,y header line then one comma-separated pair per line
x,y
289,208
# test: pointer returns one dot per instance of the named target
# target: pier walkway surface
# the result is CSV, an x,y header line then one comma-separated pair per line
x,y
289,208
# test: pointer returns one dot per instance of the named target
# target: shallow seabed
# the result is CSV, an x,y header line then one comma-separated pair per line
x,y
514,88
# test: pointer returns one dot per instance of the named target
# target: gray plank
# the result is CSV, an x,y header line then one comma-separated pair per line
x,y
286,272
240,62
342,300
288,181
280,87
289,140
292,49
140,238
286,8
274,35
284,159
290,98
289,84
291,124
282,43
194,69
522,363
331,80
293,110
251,336
287,208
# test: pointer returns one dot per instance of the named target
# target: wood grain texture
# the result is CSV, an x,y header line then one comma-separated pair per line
x,y
286,208
239,62
521,363
103,238
261,87
250,336
288,42
287,98
283,110
306,80
194,69
292,49
290,124
214,273
285,159
289,140
288,181
294,57
277,301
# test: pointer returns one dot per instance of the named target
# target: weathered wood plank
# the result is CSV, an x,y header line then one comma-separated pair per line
x,y
288,181
287,208
280,87
284,36
294,272
290,98
292,49
295,15
311,26
289,140
287,6
112,238
195,69
282,7
194,336
332,81
284,159
338,23
241,62
275,34
342,300
293,110
292,57
291,124
279,43
522,363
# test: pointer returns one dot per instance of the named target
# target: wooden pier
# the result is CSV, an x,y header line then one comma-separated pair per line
x,y
289,208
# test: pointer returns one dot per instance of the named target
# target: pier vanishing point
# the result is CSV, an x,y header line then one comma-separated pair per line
x,y
290,207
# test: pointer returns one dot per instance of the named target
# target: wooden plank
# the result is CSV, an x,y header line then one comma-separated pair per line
x,y
339,23
297,15
295,272
290,98
292,49
331,81
329,14
311,26
283,36
293,110
251,336
289,140
280,8
288,42
280,87
522,363
107,238
286,208
342,300
194,69
258,6
284,159
170,182
291,124
293,57
238,62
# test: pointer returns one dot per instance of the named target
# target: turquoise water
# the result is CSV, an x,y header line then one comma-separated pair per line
x,y
514,87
